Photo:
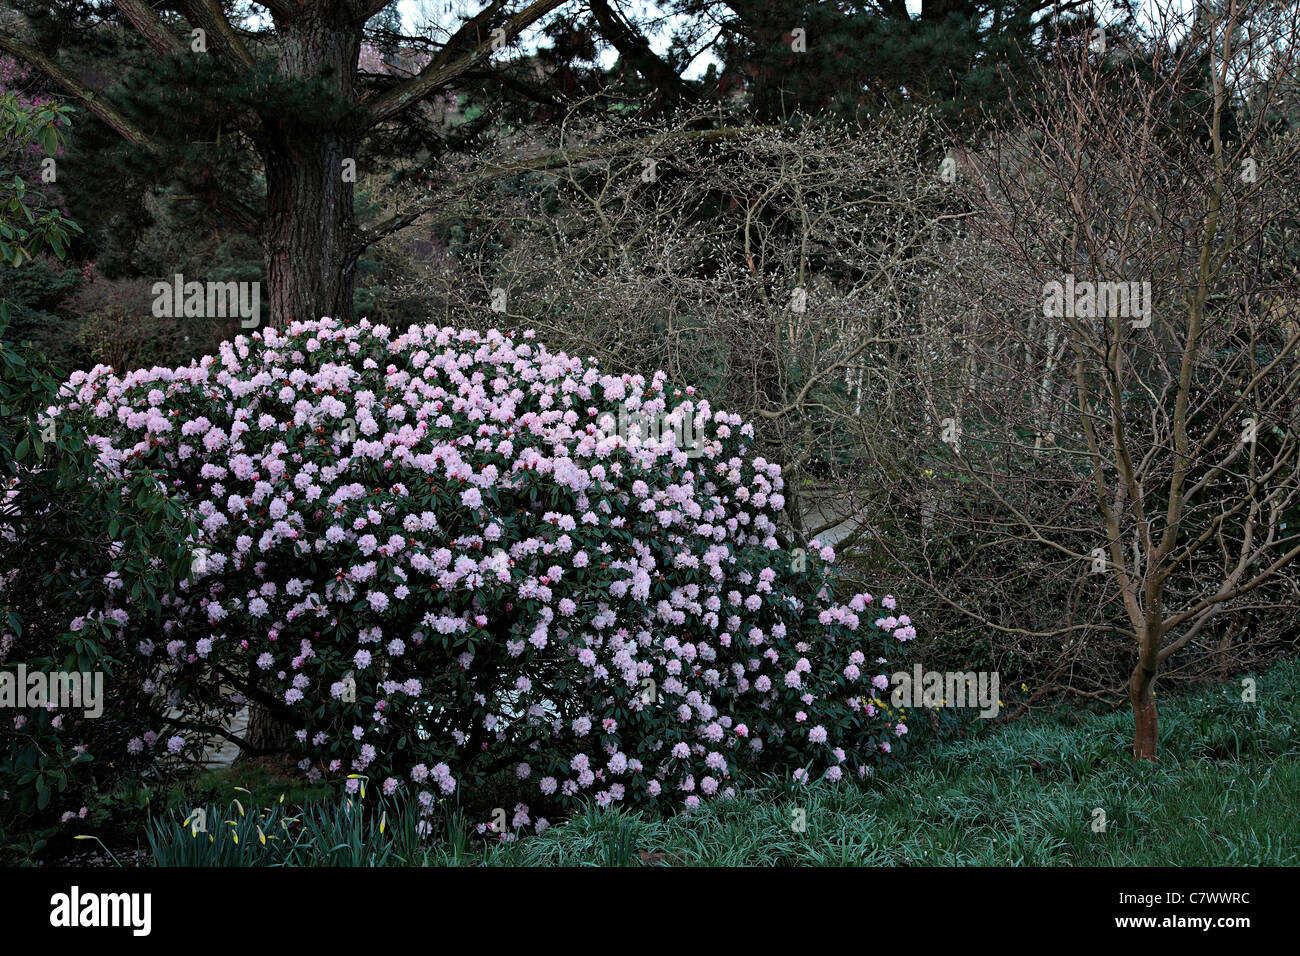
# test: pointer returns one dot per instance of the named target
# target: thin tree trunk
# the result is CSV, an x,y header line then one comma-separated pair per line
x,y
1146,724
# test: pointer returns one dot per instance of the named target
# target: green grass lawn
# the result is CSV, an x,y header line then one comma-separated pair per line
x,y
1226,792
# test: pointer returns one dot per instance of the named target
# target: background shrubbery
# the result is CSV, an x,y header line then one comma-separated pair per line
x,y
63,533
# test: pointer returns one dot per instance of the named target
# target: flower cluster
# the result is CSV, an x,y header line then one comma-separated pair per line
x,y
423,551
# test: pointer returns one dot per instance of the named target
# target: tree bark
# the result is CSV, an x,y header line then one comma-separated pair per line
x,y
265,729
310,259
310,240
308,122
1146,724
266,734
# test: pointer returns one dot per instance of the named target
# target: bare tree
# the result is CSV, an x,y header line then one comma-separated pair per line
x,y
773,268
1121,390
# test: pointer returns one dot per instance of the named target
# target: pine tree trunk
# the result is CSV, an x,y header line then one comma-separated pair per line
x,y
310,242
265,734
310,157
310,263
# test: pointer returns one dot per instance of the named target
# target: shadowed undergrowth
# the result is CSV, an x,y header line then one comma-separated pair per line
x,y
1027,793
1224,793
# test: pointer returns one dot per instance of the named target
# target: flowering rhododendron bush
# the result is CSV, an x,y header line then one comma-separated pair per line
x,y
426,551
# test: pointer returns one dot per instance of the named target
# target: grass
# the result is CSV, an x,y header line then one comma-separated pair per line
x,y
1029,793
261,776
1223,793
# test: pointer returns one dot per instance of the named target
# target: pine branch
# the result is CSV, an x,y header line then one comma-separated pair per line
x,y
209,15
436,75
150,26
92,99
279,9
365,9
243,216
467,36
635,49
559,160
